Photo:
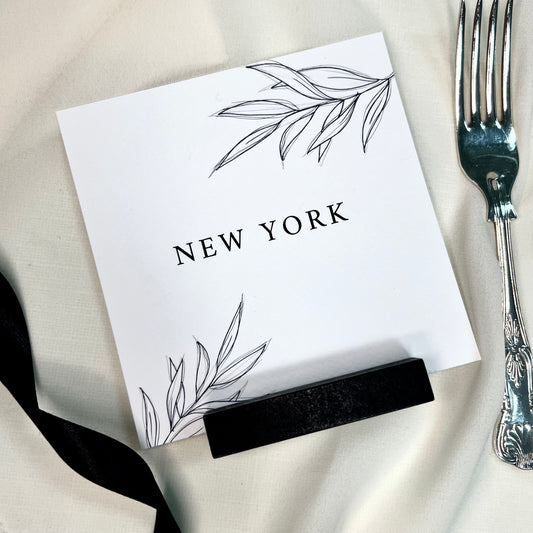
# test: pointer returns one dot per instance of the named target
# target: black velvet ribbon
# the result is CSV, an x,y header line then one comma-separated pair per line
x,y
95,456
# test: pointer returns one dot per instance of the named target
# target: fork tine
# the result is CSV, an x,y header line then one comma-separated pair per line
x,y
474,80
506,64
459,69
491,53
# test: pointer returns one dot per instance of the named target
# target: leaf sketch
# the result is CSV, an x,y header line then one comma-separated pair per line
x,y
150,420
184,410
331,90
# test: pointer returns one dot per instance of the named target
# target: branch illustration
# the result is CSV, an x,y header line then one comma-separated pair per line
x,y
333,89
211,381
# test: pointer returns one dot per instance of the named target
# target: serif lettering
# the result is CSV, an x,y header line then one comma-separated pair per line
x,y
291,225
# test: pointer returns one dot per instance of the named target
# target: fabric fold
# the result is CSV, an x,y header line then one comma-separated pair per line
x,y
97,457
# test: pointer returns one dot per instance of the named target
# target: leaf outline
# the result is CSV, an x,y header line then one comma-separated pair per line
x,y
247,143
150,420
238,368
258,109
231,335
175,402
203,368
324,84
294,130
182,415
334,127
374,113
293,79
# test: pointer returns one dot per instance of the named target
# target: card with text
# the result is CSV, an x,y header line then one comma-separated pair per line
x,y
262,228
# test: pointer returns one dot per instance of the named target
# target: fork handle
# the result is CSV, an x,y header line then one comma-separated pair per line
x,y
513,434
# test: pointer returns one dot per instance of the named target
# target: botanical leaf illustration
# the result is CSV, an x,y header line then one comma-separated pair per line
x,y
192,423
176,393
374,113
319,86
291,78
215,404
239,367
150,421
171,369
293,130
333,126
185,410
332,116
251,140
258,109
323,150
236,396
339,82
231,336
202,369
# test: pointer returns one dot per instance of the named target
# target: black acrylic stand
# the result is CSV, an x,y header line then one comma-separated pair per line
x,y
322,405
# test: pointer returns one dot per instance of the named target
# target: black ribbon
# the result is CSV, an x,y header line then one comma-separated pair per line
x,y
95,456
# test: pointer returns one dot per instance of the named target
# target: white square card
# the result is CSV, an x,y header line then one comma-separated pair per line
x,y
262,228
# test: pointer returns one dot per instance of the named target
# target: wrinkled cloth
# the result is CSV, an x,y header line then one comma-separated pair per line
x,y
426,469
97,457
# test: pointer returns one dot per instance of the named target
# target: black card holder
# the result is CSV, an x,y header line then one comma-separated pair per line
x,y
322,405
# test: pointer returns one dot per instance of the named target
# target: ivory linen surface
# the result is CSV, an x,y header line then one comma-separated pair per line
x,y
425,469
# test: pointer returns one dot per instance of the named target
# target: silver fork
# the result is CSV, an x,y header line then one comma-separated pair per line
x,y
488,153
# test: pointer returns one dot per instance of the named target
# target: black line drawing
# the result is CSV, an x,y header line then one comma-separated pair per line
x,y
332,89
185,411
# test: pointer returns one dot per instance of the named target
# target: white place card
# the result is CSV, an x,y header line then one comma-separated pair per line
x,y
262,228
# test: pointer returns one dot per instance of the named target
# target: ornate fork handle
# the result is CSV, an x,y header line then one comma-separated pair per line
x,y
513,434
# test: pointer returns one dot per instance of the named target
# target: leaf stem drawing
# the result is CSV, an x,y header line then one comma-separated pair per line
x,y
184,409
330,95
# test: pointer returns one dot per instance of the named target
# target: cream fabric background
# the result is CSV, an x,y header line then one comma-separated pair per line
x,y
425,469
